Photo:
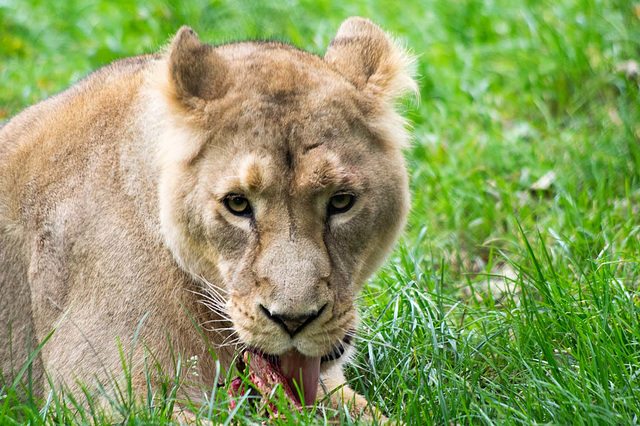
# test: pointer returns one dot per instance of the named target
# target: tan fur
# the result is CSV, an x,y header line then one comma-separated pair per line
x,y
111,202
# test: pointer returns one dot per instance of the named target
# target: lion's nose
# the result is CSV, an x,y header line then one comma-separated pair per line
x,y
292,324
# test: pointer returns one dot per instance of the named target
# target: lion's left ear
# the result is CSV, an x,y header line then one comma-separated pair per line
x,y
365,56
196,70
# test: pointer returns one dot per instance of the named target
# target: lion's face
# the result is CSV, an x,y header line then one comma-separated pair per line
x,y
282,187
298,203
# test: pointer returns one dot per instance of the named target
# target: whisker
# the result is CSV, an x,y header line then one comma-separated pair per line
x,y
216,308
218,304
217,320
215,288
230,343
208,297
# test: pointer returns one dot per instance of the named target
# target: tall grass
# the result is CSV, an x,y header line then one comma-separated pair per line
x,y
507,301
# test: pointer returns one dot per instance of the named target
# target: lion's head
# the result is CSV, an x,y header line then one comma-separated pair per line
x,y
283,183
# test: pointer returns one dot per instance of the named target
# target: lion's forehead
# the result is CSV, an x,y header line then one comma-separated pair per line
x,y
300,175
274,66
299,145
292,121
270,77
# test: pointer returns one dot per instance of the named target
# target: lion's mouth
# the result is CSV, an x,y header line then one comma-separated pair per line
x,y
296,373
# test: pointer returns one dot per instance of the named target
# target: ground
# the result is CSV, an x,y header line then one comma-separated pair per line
x,y
512,297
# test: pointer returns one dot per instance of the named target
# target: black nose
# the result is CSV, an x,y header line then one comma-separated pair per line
x,y
292,324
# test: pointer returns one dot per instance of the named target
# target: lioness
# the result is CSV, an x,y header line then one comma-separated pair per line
x,y
252,187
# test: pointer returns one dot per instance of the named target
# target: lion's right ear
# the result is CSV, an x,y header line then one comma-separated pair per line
x,y
196,71
375,65
369,59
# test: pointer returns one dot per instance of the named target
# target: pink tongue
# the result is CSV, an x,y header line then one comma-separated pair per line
x,y
302,373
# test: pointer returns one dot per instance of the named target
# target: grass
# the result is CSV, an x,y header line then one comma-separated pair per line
x,y
506,302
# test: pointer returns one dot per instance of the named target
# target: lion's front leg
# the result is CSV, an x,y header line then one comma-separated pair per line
x,y
334,384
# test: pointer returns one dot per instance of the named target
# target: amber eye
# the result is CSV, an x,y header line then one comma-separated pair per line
x,y
340,203
238,205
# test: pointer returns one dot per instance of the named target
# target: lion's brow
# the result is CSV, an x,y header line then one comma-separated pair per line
x,y
325,174
254,173
307,148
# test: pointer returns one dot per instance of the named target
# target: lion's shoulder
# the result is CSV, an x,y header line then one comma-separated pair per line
x,y
89,93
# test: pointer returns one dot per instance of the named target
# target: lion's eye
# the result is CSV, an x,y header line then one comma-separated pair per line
x,y
340,203
238,205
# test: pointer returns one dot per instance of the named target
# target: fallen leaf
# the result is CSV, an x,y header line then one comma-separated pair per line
x,y
545,182
614,116
630,68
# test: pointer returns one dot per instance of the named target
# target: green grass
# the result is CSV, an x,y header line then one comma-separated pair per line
x,y
504,303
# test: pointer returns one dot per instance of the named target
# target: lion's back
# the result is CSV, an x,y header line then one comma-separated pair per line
x,y
45,156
